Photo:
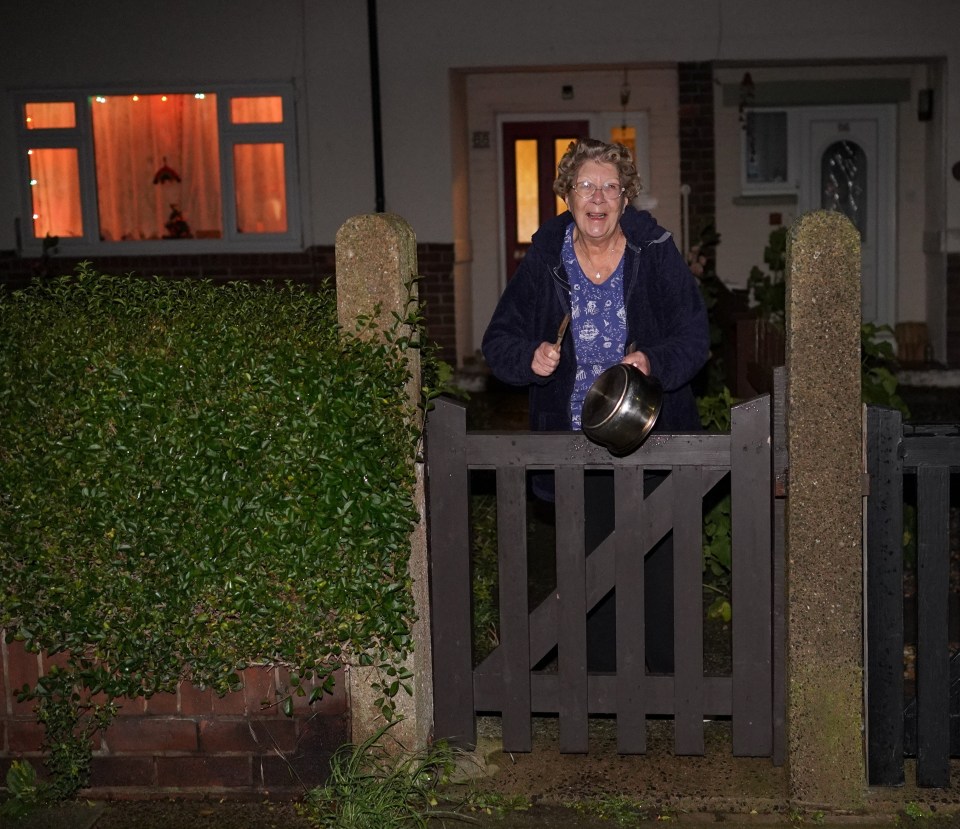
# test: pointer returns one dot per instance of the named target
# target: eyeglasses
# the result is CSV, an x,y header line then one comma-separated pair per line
x,y
609,191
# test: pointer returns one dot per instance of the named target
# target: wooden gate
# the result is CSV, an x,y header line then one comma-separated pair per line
x,y
923,720
506,682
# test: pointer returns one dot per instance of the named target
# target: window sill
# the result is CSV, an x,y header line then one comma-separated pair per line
x,y
763,199
254,243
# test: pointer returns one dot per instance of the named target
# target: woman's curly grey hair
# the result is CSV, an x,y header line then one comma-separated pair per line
x,y
590,149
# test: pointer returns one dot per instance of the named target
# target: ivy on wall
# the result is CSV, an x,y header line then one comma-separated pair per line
x,y
194,478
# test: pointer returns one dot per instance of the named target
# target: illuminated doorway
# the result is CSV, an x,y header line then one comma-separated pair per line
x,y
531,151
849,166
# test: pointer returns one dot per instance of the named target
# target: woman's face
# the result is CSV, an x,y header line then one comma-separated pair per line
x,y
595,217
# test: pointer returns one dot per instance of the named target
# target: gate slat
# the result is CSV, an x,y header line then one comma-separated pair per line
x,y
514,618
546,692
572,600
778,429
688,610
600,571
885,639
751,488
630,544
933,654
447,479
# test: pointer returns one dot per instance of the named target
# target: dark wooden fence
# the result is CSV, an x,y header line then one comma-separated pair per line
x,y
923,719
507,681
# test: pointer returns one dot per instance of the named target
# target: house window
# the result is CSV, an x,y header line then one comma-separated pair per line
x,y
154,171
768,152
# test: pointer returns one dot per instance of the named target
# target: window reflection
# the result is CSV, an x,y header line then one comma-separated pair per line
x,y
766,147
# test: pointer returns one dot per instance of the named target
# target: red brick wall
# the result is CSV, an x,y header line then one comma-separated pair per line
x,y
313,267
192,741
697,166
435,263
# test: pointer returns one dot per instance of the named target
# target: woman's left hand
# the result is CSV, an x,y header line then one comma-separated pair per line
x,y
638,359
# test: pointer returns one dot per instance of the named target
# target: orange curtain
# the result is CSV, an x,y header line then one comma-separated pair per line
x,y
261,198
260,188
262,109
55,192
137,137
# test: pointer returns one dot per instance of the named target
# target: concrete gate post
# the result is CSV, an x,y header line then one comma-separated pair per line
x,y
376,258
825,746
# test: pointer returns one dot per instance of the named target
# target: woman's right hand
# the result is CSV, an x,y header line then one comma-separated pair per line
x,y
545,359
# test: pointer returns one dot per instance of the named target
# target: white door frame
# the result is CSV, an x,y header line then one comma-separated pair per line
x,y
600,124
874,128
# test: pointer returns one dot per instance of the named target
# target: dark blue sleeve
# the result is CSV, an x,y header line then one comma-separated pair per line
x,y
517,327
684,345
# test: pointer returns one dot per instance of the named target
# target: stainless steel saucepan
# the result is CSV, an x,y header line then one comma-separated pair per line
x,y
621,408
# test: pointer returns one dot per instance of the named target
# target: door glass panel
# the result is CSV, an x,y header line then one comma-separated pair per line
x,y
560,146
528,206
261,188
55,192
843,183
626,136
50,115
531,152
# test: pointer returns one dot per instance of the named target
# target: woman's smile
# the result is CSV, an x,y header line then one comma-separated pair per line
x,y
596,217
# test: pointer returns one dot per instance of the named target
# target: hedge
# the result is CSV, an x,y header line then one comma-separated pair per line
x,y
194,478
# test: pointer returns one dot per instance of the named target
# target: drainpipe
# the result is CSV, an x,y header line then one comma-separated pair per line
x,y
375,103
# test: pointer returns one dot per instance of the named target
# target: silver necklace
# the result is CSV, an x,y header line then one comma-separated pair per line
x,y
605,253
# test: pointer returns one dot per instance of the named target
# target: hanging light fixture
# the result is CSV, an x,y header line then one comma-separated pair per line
x,y
624,134
624,98
747,94
165,174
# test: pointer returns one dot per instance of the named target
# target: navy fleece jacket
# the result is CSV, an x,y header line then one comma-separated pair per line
x,y
666,318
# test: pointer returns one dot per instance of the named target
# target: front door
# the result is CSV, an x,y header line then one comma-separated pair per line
x,y
848,156
531,151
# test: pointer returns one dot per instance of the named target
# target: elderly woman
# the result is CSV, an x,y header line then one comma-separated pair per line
x,y
631,298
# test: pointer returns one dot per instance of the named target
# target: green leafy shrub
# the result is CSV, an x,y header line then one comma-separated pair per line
x,y
196,478
25,792
878,364
878,386
768,289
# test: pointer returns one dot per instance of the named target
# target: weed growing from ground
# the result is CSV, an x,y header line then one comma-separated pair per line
x,y
373,786
616,808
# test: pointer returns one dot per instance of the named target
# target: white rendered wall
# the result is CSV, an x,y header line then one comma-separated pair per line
x,y
745,227
321,47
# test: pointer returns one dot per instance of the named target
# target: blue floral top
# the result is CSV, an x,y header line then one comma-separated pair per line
x,y
598,324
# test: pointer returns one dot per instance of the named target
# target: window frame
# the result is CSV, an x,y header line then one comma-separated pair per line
x,y
80,137
790,185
